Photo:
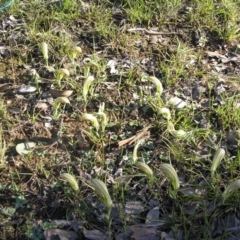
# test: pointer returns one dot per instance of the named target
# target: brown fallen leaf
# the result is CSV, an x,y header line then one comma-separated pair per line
x,y
215,54
42,106
142,134
57,93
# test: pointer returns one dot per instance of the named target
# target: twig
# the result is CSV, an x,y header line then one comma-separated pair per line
x,y
151,32
142,134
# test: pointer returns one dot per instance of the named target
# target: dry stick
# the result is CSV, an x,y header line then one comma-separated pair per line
x,y
144,133
59,134
151,32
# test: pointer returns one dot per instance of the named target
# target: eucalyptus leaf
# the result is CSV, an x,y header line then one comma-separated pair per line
x,y
27,89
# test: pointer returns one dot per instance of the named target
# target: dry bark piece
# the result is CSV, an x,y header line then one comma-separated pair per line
x,y
57,93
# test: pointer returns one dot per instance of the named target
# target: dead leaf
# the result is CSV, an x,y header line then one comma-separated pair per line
x,y
58,234
230,59
133,207
93,234
4,86
112,65
14,110
124,235
154,39
42,105
57,93
27,89
153,215
140,233
171,235
188,191
215,54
